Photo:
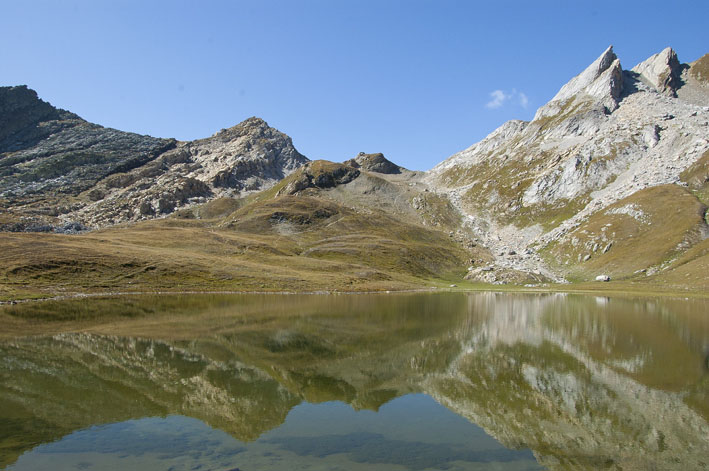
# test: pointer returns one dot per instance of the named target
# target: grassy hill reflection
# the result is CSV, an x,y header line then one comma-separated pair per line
x,y
582,381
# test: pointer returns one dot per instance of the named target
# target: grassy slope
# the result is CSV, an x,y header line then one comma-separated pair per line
x,y
648,230
269,242
377,232
700,69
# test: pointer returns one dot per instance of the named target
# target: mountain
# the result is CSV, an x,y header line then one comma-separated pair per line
x,y
326,226
614,166
57,168
610,179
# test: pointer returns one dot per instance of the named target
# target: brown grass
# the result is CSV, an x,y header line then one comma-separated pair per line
x,y
285,243
700,69
671,221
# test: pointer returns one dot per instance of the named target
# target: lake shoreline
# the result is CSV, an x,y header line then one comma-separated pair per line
x,y
603,289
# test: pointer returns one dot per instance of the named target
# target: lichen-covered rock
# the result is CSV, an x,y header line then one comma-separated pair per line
x,y
374,163
320,174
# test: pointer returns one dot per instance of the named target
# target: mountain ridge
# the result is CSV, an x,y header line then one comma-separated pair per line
x,y
518,207
105,176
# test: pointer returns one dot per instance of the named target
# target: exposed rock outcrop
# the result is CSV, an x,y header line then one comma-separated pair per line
x,y
25,119
248,157
320,174
602,81
374,163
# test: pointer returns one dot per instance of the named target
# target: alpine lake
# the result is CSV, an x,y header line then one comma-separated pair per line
x,y
410,381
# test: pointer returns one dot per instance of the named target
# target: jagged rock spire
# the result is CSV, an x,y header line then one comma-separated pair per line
x,y
588,76
602,81
662,71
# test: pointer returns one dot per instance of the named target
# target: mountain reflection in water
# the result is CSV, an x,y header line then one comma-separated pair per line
x,y
584,382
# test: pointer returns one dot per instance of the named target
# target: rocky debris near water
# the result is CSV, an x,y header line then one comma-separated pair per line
x,y
502,275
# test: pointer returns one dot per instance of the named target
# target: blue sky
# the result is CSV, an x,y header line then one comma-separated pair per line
x,y
417,80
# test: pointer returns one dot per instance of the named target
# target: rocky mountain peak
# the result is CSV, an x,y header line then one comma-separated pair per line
x,y
662,71
607,135
601,82
248,157
608,85
20,99
252,126
105,176
586,78
48,152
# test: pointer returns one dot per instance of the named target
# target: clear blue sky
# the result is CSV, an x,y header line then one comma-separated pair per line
x,y
411,79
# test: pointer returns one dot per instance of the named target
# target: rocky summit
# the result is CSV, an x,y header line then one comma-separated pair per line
x,y
56,168
609,181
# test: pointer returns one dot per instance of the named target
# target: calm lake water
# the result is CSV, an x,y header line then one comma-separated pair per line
x,y
448,381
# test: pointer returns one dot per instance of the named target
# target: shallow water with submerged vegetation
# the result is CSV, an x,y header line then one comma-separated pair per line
x,y
414,381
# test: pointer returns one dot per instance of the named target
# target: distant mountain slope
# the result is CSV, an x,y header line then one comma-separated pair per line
x,y
57,168
607,134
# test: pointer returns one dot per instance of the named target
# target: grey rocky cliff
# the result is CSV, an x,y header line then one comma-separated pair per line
x,y
56,168
25,119
248,157
602,81
44,149
374,163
